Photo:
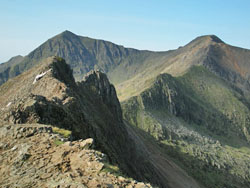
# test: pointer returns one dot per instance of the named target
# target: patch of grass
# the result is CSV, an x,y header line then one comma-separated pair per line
x,y
210,166
58,142
59,58
65,133
245,150
113,169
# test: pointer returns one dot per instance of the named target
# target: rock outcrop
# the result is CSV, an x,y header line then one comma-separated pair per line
x,y
98,82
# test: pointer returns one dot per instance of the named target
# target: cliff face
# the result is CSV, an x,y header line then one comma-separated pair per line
x,y
48,94
99,84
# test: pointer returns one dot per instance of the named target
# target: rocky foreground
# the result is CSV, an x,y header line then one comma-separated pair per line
x,y
33,155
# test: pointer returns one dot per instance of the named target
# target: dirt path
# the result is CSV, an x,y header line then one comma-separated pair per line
x,y
172,175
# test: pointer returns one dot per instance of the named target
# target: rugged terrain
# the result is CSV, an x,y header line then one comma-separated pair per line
x,y
48,94
185,108
200,132
33,155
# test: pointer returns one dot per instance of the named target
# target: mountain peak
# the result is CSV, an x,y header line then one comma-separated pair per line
x,y
67,33
204,41
208,38
213,38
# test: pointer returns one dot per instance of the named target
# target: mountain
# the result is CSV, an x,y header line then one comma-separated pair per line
x,y
6,67
187,109
199,113
195,104
122,64
84,54
228,62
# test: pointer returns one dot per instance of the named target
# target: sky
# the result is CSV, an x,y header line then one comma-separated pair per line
x,y
157,25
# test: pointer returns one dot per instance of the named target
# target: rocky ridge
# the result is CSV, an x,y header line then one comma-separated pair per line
x,y
47,94
32,155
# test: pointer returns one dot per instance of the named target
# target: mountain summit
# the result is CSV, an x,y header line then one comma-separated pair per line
x,y
209,38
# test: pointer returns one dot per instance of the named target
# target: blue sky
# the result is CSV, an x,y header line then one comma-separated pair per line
x,y
142,24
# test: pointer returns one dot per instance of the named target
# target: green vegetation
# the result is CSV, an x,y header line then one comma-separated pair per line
x,y
200,121
58,142
232,115
59,59
213,165
112,169
65,133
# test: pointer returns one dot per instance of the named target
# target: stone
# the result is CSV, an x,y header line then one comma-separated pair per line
x,y
24,156
87,144
140,185
120,178
14,148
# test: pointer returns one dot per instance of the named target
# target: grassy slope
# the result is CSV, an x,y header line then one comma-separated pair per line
x,y
221,97
201,122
